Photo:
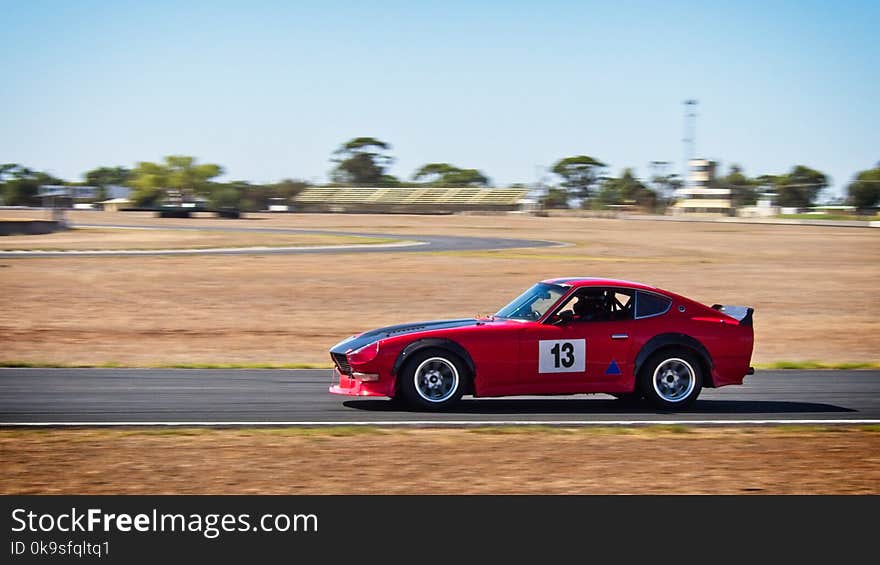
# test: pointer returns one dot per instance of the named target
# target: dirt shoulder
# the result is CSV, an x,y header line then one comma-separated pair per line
x,y
440,461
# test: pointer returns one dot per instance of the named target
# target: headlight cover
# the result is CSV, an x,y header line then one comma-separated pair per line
x,y
365,354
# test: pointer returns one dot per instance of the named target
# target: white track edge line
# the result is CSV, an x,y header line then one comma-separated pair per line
x,y
207,250
404,423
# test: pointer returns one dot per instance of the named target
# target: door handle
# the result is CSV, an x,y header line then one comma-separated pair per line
x,y
619,336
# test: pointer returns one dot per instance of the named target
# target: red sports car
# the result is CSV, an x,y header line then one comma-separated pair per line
x,y
561,336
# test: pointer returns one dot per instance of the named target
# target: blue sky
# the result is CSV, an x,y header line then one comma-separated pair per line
x,y
270,89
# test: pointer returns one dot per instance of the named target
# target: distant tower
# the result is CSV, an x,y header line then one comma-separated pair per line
x,y
690,126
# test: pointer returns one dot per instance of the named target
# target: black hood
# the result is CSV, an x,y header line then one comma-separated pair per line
x,y
366,338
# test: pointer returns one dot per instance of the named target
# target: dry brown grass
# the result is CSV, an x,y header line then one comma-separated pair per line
x,y
369,461
814,288
111,239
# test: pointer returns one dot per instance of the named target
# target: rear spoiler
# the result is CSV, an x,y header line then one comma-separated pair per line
x,y
743,314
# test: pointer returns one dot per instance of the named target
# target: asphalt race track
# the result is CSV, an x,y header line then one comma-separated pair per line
x,y
300,397
404,243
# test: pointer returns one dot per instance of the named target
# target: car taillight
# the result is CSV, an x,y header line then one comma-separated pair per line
x,y
365,354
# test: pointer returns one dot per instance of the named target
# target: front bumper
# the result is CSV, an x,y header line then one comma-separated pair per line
x,y
350,386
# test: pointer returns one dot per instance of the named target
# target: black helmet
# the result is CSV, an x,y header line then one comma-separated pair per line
x,y
590,303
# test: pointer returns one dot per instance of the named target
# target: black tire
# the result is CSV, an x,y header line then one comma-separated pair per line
x,y
432,379
628,398
671,379
396,402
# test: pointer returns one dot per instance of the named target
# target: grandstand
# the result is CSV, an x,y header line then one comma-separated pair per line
x,y
415,200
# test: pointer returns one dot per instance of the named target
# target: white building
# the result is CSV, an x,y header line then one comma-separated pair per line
x,y
117,191
83,192
764,206
74,192
697,197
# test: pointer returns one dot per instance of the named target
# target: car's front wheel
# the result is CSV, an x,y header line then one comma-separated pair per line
x,y
628,398
671,379
433,379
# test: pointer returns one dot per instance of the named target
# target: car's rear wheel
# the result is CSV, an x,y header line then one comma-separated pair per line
x,y
433,379
671,379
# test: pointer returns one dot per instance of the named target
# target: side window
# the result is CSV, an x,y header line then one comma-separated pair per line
x,y
599,305
622,305
648,304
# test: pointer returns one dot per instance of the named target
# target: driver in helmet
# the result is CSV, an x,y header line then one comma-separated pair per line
x,y
590,306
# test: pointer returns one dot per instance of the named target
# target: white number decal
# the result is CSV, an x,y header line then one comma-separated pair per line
x,y
562,355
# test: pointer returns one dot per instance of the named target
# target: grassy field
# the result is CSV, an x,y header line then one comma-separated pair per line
x,y
659,460
814,288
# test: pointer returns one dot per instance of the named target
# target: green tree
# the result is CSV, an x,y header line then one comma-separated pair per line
x,y
246,196
6,174
390,180
800,187
864,191
187,176
149,182
287,189
19,185
108,176
627,189
241,195
666,185
257,197
466,177
178,172
579,174
103,177
228,195
743,191
362,161
444,174
767,183
432,172
554,198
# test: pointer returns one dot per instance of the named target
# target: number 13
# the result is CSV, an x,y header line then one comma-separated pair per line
x,y
564,355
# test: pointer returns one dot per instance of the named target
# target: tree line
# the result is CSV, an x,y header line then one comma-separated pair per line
x,y
579,181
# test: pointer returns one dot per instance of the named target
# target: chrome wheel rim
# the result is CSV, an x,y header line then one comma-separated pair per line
x,y
436,379
674,380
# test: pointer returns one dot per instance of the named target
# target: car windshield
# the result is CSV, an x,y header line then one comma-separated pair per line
x,y
533,303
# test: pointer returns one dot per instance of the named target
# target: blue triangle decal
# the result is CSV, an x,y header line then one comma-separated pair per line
x,y
613,369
